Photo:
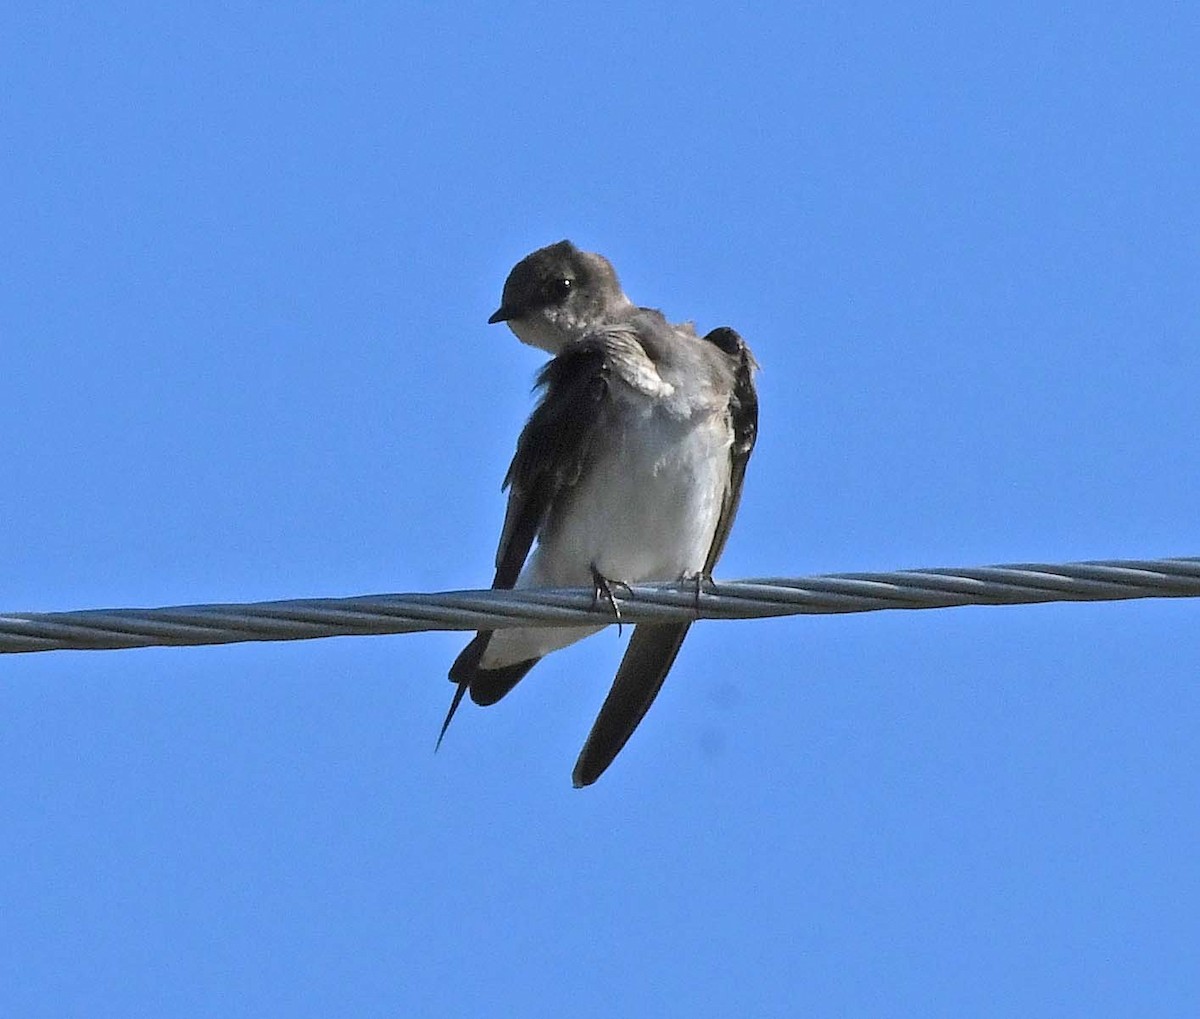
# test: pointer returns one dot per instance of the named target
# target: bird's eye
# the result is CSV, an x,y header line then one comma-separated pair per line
x,y
557,289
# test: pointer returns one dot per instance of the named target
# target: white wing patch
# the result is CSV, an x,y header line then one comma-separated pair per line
x,y
632,366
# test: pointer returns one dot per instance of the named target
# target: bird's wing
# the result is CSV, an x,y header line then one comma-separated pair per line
x,y
552,452
653,647
554,448
743,422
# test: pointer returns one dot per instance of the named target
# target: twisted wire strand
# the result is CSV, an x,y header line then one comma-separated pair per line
x,y
306,619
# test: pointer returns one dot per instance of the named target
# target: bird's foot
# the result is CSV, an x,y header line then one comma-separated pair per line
x,y
603,587
701,580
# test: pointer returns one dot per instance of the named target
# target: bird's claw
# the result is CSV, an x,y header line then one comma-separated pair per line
x,y
701,580
602,587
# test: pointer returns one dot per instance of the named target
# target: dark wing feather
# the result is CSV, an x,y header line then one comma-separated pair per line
x,y
649,657
653,647
743,419
553,450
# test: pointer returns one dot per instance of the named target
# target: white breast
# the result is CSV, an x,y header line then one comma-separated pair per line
x,y
648,508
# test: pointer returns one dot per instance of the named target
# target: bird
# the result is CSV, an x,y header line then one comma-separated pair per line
x,y
629,470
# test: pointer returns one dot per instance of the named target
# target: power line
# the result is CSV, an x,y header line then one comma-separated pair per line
x,y
309,618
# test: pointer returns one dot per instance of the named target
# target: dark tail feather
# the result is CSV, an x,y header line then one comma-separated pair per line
x,y
466,665
486,685
458,696
489,685
648,659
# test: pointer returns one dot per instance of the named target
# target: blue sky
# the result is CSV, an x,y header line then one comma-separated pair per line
x,y
248,257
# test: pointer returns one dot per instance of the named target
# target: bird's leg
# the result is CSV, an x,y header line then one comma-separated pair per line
x,y
602,587
701,580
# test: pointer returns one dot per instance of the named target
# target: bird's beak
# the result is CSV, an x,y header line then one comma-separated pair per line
x,y
501,314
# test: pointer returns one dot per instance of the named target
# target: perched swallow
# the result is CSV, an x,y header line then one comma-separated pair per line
x,y
628,471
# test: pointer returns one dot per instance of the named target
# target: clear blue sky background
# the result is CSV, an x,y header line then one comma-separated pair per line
x,y
248,254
